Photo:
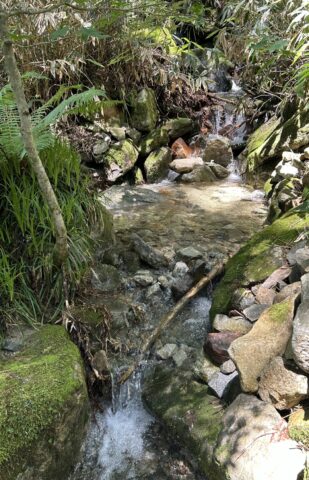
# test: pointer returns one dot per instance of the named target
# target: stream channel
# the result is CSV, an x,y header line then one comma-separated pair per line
x,y
124,441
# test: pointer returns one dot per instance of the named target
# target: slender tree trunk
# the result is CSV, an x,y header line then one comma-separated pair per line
x,y
61,245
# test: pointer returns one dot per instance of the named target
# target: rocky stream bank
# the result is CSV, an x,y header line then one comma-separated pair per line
x,y
223,394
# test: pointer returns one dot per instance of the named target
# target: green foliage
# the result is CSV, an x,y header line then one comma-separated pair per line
x,y
30,286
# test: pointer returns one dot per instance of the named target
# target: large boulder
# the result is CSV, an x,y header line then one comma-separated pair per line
x,y
248,266
276,136
177,127
253,444
268,338
188,412
120,158
43,408
218,149
147,253
144,111
157,164
300,338
282,386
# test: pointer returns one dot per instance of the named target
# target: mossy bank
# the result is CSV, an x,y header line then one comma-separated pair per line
x,y
43,408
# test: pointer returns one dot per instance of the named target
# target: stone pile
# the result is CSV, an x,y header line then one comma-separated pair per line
x,y
144,149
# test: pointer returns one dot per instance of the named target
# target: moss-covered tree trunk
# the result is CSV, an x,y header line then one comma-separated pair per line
x,y
61,246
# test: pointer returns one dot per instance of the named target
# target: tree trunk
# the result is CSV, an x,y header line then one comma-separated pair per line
x,y
61,245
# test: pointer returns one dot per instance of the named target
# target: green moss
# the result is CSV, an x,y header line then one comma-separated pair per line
x,y
278,312
34,386
255,261
154,140
299,426
124,155
160,36
187,410
144,110
268,186
258,138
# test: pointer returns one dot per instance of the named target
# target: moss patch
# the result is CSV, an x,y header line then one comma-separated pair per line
x,y
123,155
256,260
190,414
34,388
299,426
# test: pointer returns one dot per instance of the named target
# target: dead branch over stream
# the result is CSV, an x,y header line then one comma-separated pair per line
x,y
169,317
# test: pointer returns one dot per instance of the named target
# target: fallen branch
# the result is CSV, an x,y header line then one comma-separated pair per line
x,y
168,317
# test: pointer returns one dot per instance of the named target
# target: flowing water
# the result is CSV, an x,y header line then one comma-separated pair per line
x,y
124,441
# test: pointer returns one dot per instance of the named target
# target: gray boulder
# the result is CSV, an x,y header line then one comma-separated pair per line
x,y
218,170
268,339
249,446
220,383
186,165
231,324
119,159
218,149
300,338
281,386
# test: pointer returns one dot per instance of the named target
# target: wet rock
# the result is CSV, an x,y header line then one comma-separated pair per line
x,y
180,269
180,356
134,134
228,367
153,291
188,412
105,278
254,312
204,369
166,351
246,451
100,361
148,254
281,386
218,170
130,260
186,165
12,345
219,383
299,426
218,149
267,339
199,174
181,150
265,296
189,253
182,285
300,337
293,289
145,113
157,164
164,281
177,127
143,278
216,346
231,324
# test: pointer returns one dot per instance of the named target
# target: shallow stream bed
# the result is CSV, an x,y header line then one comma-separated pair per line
x,y
125,441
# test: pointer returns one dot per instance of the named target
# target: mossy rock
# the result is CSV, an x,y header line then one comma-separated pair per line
x,y
160,36
144,110
154,140
188,412
124,155
177,127
257,259
275,136
299,426
157,164
43,408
